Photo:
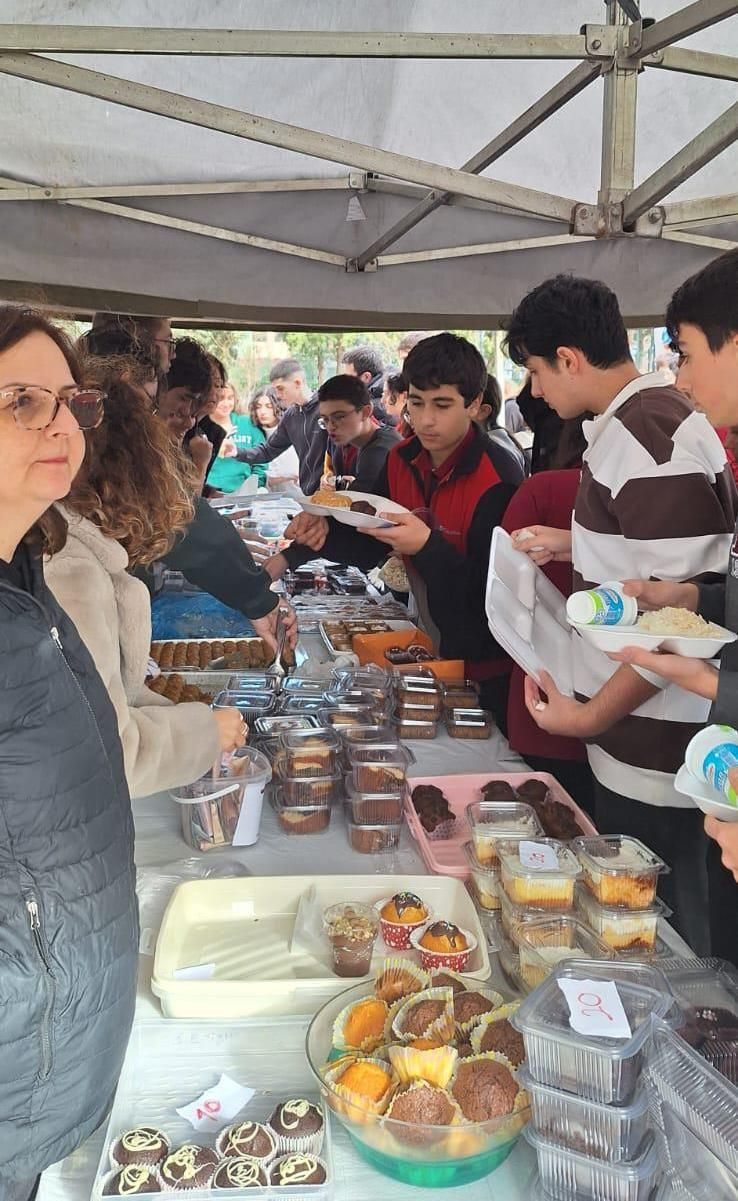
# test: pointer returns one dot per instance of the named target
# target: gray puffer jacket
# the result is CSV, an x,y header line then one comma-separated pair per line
x,y
68,918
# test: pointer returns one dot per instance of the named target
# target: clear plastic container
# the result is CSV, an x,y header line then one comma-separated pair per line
x,y
361,677
514,916
300,819
491,821
370,839
252,681
380,768
697,1173
601,1069
409,686
373,808
462,694
485,880
547,942
351,929
304,685
356,736
373,699
250,704
310,752
410,728
345,717
302,703
569,1176
282,723
613,1133
622,929
312,790
224,809
541,887
619,870
468,723
422,706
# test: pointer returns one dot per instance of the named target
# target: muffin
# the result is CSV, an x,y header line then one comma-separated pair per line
x,y
442,944
241,1172
145,1145
398,980
247,1140
421,1016
365,1078
399,917
505,1040
470,1005
420,1106
484,1089
499,790
360,1026
444,937
190,1166
448,980
298,1122
297,1169
131,1180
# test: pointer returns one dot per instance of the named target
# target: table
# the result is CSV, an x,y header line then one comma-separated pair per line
x,y
164,860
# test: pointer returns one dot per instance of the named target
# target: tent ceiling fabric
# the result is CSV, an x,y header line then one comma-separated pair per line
x,y
439,111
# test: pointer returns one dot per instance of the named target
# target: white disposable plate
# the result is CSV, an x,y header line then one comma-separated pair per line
x,y
704,797
361,521
615,638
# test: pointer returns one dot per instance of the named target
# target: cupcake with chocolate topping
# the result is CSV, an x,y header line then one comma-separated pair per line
x,y
400,915
298,1169
298,1126
247,1139
145,1145
190,1166
241,1172
132,1180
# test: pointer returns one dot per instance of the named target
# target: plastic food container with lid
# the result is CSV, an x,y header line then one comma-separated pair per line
x,y
304,685
361,677
622,929
252,681
547,942
420,706
308,790
370,839
407,684
570,1176
282,723
492,821
302,703
380,768
612,1133
250,704
373,699
346,716
468,723
461,694
485,880
410,728
353,737
513,916
223,810
373,808
300,819
619,870
543,876
599,1068
310,752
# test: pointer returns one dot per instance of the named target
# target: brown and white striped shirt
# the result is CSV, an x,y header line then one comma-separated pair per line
x,y
656,501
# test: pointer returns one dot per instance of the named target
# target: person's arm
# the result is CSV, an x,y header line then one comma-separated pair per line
x,y
162,745
555,713
277,442
711,600
212,555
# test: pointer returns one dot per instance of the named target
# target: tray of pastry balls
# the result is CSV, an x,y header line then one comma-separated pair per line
x,y
205,1107
179,687
196,654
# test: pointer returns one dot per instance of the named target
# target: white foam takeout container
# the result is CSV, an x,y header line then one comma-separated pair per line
x,y
616,638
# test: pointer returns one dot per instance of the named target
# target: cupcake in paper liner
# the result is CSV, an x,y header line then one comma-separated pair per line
x,y
247,1140
298,1126
444,978
361,1090
131,1180
486,1088
360,1026
494,1032
424,1059
425,1111
292,1170
241,1172
443,945
471,1006
400,916
429,1014
398,979
140,1145
189,1166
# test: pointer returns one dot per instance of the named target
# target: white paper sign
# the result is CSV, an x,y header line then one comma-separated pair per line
x,y
217,1106
595,1008
198,971
538,856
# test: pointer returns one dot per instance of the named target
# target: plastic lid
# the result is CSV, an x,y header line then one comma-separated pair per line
x,y
499,816
625,1175
310,739
631,857
509,854
393,754
636,1109
245,766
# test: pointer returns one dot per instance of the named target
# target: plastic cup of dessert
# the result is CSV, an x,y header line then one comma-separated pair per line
x,y
351,930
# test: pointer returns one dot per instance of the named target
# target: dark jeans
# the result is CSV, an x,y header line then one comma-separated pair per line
x,y
575,778
678,836
493,697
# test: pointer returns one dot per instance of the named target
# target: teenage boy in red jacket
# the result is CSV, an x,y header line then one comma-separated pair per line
x,y
445,476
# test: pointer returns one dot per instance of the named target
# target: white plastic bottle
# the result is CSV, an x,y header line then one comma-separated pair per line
x,y
710,756
604,606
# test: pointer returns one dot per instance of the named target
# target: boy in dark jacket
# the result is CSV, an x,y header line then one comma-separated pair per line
x,y
357,444
444,475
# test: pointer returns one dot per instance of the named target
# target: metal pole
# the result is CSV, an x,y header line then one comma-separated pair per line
x,y
32,191
694,213
681,24
618,120
695,62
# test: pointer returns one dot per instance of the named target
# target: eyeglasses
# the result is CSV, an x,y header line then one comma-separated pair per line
x,y
334,419
166,342
36,408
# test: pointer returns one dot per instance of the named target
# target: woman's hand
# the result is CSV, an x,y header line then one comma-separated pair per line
x,y
693,675
268,627
407,536
232,729
227,449
307,530
657,594
726,834
543,544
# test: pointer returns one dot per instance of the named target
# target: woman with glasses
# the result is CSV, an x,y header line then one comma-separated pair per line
x,y
69,930
128,503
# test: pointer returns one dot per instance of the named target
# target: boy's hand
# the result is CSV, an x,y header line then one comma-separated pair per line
x,y
408,536
543,543
693,675
308,530
726,834
657,594
557,714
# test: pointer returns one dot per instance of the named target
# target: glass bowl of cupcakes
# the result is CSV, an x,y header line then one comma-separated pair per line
x,y
421,1068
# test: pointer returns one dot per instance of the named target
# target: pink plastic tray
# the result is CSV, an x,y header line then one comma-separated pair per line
x,y
446,856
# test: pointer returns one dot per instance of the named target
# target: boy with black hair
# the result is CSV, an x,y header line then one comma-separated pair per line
x,y
656,498
357,445
445,477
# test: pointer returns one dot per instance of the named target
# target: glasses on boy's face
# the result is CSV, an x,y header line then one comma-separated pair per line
x,y
334,419
35,408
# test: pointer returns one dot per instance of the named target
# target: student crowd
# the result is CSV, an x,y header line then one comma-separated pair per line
x,y
110,450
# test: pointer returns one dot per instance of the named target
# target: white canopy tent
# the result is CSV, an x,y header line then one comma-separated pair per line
x,y
332,163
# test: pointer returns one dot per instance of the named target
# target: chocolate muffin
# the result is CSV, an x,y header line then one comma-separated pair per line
x,y
249,1139
484,1089
498,790
130,1180
145,1145
363,506
242,1172
419,1106
465,1050
296,1119
444,980
427,794
395,983
297,1169
557,819
468,1005
189,1166
505,1039
532,792
417,1019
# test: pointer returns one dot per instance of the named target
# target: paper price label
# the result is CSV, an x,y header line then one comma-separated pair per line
x,y
595,1008
217,1106
538,856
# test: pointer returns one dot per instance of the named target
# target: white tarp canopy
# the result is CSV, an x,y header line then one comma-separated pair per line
x,y
188,163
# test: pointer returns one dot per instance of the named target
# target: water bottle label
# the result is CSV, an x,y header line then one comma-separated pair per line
x,y
609,607
717,763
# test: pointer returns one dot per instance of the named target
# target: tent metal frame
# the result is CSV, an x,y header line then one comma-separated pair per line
x,y
618,51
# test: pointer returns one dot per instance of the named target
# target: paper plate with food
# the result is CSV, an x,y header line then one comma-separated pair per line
x,y
676,631
351,508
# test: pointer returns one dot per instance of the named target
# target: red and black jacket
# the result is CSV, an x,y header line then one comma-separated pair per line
x,y
466,505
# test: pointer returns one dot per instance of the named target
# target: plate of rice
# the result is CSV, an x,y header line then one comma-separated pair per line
x,y
676,631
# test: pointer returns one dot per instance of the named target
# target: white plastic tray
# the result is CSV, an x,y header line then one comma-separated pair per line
x,y
527,614
615,638
704,797
170,1064
243,928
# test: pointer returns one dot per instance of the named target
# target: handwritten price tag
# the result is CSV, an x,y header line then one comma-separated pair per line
x,y
538,856
595,1008
217,1106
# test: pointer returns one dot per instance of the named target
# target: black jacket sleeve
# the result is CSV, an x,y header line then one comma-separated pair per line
x,y
371,461
456,583
212,555
711,604
277,442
